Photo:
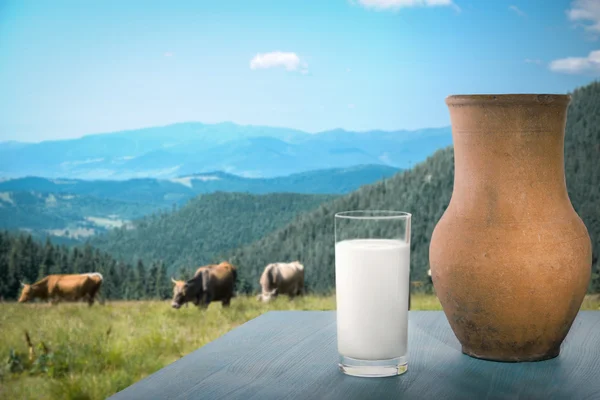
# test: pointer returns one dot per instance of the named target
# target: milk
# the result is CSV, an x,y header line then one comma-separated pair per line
x,y
372,281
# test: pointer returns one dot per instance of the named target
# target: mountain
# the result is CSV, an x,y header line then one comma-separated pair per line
x,y
425,191
188,148
71,210
179,190
66,215
205,228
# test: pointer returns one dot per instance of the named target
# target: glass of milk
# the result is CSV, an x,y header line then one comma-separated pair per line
x,y
372,268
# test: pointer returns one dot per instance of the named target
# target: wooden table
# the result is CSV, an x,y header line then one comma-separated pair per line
x,y
293,355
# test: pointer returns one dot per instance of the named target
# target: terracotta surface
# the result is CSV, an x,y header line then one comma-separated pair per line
x,y
510,258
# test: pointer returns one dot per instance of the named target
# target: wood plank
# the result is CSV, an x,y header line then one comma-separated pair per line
x,y
293,355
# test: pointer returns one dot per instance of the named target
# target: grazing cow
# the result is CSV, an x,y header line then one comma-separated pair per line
x,y
210,283
429,278
56,288
282,278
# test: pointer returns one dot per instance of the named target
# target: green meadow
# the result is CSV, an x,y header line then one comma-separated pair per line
x,y
91,353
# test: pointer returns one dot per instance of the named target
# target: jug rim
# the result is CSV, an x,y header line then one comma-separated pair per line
x,y
510,98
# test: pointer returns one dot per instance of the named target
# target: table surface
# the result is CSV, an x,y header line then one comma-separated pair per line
x,y
293,355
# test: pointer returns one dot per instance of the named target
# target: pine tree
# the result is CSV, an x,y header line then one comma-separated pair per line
x,y
183,274
109,285
140,281
48,263
87,264
163,283
99,262
130,285
30,259
123,273
77,262
17,268
5,245
151,282
65,265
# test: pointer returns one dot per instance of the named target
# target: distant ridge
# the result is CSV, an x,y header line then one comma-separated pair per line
x,y
188,148
72,209
183,187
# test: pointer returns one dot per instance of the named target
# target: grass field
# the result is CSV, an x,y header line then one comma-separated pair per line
x,y
95,352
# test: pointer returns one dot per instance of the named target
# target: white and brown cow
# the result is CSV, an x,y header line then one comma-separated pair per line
x,y
282,278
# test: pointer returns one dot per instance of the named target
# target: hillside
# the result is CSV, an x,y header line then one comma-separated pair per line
x,y
205,228
425,192
189,148
179,190
66,215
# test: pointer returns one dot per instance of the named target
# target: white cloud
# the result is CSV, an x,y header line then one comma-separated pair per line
x,y
169,54
587,11
289,61
578,65
397,4
517,11
533,61
351,106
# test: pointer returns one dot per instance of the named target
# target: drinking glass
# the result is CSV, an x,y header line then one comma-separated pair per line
x,y
372,269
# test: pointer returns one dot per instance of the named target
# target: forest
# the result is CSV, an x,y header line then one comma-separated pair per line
x,y
206,228
23,259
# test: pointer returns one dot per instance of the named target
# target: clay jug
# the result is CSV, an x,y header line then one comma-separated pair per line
x,y
510,258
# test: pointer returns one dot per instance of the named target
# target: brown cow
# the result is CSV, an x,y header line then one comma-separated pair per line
x,y
56,288
210,283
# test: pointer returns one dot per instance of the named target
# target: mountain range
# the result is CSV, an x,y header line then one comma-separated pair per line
x,y
72,209
185,149
178,190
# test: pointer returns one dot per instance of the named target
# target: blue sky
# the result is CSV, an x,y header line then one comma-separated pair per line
x,y
70,68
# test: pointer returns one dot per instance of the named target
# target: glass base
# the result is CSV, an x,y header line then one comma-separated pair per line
x,y
373,368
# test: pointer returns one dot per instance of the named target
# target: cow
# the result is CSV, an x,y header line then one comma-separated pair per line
x,y
429,278
210,283
282,278
64,287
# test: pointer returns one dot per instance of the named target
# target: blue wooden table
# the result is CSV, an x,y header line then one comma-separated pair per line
x,y
293,355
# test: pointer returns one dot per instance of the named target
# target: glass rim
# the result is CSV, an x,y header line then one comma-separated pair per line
x,y
373,214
